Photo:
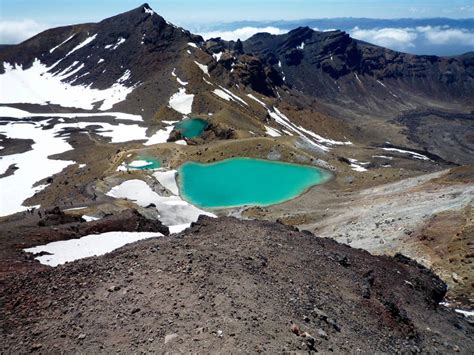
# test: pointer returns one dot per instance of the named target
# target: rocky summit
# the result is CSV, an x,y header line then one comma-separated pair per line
x,y
102,248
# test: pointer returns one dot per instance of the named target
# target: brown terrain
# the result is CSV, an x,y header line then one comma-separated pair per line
x,y
226,285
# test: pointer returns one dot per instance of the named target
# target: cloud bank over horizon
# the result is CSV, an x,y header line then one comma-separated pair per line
x,y
429,40
13,32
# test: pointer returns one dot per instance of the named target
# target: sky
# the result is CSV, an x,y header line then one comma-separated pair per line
x,y
189,11
21,19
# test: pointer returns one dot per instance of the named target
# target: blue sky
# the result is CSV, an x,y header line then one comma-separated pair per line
x,y
22,19
194,11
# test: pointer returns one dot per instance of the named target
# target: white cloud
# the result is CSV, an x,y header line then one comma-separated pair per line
x,y
242,33
442,35
13,32
409,38
394,38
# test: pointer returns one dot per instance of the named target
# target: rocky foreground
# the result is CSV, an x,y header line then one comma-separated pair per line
x,y
229,285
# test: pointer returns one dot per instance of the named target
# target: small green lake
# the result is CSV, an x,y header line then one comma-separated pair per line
x,y
244,181
144,163
192,128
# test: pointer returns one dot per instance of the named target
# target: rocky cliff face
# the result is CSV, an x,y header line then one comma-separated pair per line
x,y
317,62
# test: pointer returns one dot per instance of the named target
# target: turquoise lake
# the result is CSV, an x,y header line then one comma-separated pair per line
x,y
244,181
192,128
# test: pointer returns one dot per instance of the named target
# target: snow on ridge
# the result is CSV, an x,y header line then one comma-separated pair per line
x,y
182,102
181,82
70,73
307,135
258,100
191,44
222,94
38,85
149,11
207,81
83,44
124,77
217,56
203,67
284,121
301,46
228,95
272,132
357,166
60,44
234,96
402,151
114,46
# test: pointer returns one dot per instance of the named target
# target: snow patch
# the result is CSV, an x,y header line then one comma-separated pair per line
x,y
90,218
168,180
90,245
148,11
181,82
228,95
272,132
203,67
60,44
173,210
82,44
413,154
356,166
217,56
259,101
11,112
124,77
222,94
37,85
114,46
160,137
311,137
33,165
182,102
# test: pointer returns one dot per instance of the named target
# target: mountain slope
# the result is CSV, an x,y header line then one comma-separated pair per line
x,y
227,285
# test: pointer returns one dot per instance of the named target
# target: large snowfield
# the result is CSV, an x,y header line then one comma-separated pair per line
x,y
38,85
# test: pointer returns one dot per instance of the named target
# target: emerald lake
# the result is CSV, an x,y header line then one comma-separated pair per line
x,y
244,181
191,128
